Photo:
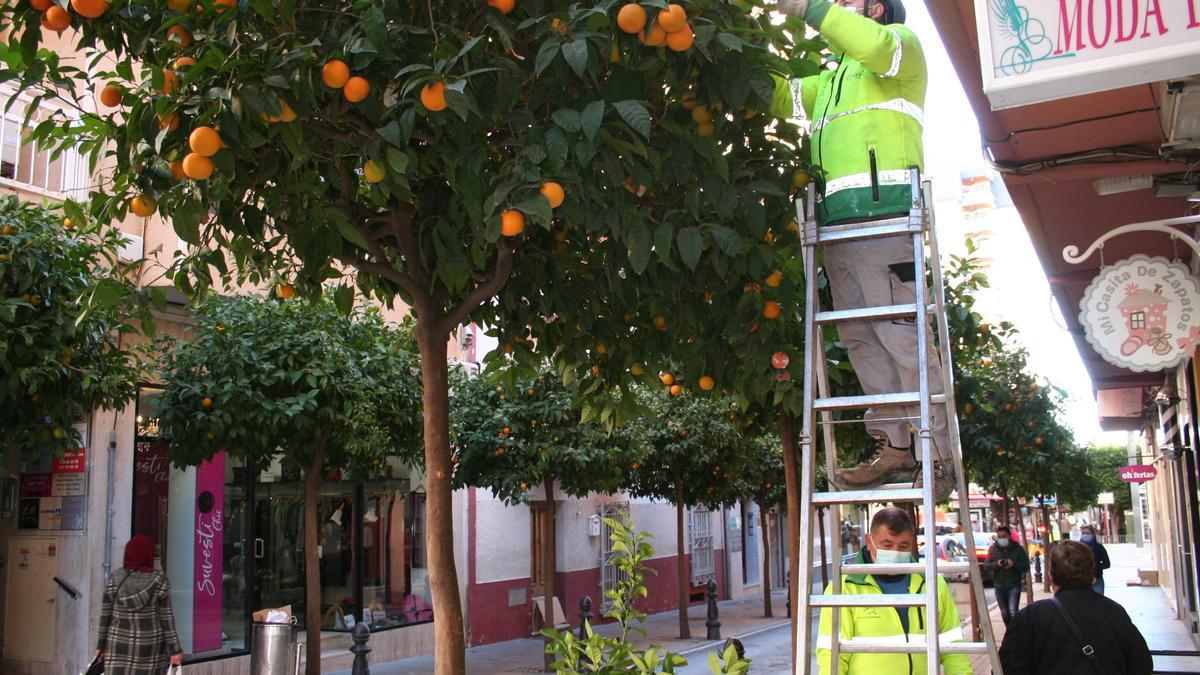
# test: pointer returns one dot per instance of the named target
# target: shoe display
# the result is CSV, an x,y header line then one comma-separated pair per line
x,y
881,463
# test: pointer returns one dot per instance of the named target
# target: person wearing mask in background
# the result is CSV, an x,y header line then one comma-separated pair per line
x,y
1087,535
866,135
1077,630
137,626
1008,564
892,539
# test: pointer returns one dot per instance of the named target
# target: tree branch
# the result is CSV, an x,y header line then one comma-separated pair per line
x,y
503,269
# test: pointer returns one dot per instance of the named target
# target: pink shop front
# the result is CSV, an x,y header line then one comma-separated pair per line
x,y
231,542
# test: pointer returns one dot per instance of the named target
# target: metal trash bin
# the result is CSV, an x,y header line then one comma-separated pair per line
x,y
274,650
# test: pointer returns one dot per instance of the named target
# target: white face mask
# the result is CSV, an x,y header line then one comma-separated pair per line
x,y
886,557
1002,541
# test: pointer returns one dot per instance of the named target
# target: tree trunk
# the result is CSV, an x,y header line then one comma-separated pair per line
x,y
312,563
1004,504
685,632
549,567
449,639
792,475
766,561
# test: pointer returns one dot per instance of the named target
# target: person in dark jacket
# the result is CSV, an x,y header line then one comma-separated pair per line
x,y
1008,564
1040,640
1088,536
137,626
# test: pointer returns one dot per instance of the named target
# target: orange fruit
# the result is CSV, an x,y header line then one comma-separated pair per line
x,y
40,5
707,383
503,6
286,114
197,166
180,34
750,112
222,5
667,379
89,8
170,82
632,18
689,100
554,193
676,390
433,96
774,279
559,26
356,89
111,95
142,206
182,62
180,6
374,171
206,402
682,39
673,18
205,141
636,369
335,73
700,115
170,122
177,170
56,19
660,322
656,38
285,291
706,129
771,309
512,223
800,179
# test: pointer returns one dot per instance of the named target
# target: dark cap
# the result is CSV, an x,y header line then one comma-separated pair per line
x,y
895,11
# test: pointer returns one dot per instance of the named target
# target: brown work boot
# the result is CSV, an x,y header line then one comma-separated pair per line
x,y
943,480
882,463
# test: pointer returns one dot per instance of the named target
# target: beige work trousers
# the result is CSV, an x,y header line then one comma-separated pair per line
x,y
870,273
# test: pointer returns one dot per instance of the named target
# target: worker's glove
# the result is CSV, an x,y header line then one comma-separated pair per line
x,y
792,7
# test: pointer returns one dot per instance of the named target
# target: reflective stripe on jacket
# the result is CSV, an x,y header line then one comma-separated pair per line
x,y
883,623
866,115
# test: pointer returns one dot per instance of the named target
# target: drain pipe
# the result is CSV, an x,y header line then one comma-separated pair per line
x,y
108,507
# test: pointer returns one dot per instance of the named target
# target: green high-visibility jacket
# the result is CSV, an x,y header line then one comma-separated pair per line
x,y
876,623
866,115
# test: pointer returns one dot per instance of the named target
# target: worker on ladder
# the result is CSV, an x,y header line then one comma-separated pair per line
x,y
892,539
866,134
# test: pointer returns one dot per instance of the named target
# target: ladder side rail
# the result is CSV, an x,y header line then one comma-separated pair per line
x,y
975,575
925,431
832,511
801,659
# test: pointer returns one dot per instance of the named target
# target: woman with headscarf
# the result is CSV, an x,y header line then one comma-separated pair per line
x,y
137,627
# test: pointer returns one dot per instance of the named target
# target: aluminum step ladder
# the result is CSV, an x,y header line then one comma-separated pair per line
x,y
819,408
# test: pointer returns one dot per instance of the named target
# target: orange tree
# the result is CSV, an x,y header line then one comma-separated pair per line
x,y
437,158
757,476
510,439
68,318
266,378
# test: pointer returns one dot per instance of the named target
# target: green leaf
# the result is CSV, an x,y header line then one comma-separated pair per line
x,y
639,248
590,119
727,240
185,218
730,40
576,54
664,234
567,119
343,298
635,115
537,207
545,56
691,244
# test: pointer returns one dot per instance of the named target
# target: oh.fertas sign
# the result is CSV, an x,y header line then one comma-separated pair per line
x,y
1137,473
1142,313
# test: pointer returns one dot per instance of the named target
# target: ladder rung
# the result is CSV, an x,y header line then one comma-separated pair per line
x,y
868,646
868,496
890,227
873,401
873,600
868,313
943,567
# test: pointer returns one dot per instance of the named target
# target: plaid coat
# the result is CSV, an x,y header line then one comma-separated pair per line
x,y
137,627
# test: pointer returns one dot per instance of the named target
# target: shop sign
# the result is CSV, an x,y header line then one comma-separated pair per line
x,y
1041,50
208,591
1138,473
69,485
1105,499
72,461
1142,313
36,485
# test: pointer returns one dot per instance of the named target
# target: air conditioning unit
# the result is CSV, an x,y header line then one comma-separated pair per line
x,y
132,250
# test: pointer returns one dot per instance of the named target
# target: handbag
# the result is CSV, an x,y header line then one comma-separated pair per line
x,y
1088,650
96,667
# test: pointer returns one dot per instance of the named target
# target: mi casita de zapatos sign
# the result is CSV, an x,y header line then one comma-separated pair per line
x,y
1040,50
1142,313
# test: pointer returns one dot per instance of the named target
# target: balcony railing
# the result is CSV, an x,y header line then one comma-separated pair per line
x,y
24,166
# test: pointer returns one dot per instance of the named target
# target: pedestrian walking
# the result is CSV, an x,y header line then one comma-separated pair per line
x,y
1008,563
1087,535
1077,630
137,627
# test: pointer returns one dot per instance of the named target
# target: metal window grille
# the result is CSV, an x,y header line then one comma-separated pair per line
x,y
28,167
700,542
610,574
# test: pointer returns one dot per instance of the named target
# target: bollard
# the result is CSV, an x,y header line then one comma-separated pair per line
x,y
585,615
714,622
1037,567
360,635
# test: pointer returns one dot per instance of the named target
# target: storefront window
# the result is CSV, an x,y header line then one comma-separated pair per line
x,y
395,574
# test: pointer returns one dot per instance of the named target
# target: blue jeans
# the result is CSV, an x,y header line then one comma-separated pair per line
x,y
1099,585
1009,600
